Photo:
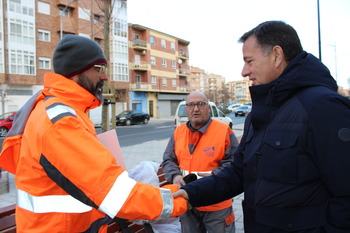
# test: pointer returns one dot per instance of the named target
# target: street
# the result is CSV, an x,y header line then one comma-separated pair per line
x,y
156,129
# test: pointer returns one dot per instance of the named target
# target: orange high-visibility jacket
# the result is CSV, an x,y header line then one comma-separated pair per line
x,y
67,180
209,151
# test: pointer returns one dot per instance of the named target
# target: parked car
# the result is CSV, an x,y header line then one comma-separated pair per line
x,y
132,117
6,120
233,107
243,110
215,113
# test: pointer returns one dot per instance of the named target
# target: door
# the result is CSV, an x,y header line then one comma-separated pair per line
x,y
150,108
137,59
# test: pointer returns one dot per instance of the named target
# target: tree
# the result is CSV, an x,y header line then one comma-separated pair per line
x,y
107,6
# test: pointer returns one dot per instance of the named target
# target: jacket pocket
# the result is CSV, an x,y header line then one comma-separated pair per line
x,y
284,160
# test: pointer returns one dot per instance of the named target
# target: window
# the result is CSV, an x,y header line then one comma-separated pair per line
x,y
120,72
153,61
25,7
44,8
164,82
152,40
153,80
44,35
119,50
163,43
1,62
84,35
21,32
163,62
120,27
66,11
172,45
173,64
22,62
173,82
96,19
84,13
44,63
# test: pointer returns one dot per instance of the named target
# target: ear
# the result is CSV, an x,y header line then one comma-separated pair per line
x,y
278,56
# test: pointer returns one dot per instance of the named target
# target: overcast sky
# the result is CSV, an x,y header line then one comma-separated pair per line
x,y
213,28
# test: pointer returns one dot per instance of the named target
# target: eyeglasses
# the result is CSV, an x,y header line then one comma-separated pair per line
x,y
200,105
102,69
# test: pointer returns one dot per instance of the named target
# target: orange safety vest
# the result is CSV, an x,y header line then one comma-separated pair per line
x,y
209,151
67,180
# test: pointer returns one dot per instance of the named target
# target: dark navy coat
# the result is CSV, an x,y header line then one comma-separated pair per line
x,y
293,162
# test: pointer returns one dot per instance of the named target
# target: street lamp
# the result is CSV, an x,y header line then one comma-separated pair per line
x,y
64,10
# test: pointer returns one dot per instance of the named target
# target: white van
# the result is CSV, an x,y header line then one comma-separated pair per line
x,y
215,113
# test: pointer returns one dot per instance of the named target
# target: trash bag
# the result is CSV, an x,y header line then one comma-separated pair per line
x,y
146,172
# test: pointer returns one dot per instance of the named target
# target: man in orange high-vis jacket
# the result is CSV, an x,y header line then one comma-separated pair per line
x,y
203,146
67,180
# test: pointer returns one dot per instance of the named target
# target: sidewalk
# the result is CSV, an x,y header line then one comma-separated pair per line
x,y
133,155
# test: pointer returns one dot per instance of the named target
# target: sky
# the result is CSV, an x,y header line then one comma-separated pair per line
x,y
214,27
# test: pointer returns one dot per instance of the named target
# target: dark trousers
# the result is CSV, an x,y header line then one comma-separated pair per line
x,y
195,221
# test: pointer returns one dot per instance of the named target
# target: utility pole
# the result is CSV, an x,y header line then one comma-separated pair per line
x,y
61,14
319,30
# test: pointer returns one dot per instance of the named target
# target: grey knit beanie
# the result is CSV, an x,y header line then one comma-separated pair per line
x,y
75,54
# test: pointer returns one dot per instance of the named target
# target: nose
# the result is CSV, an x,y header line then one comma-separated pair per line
x,y
196,106
104,77
245,71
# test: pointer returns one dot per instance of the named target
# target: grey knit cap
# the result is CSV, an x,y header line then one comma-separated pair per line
x,y
76,54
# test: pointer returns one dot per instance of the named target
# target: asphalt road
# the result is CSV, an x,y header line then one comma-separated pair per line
x,y
155,130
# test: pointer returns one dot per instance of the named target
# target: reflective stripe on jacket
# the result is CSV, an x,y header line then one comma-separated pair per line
x,y
208,150
67,180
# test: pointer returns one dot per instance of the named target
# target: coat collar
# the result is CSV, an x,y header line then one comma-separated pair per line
x,y
69,91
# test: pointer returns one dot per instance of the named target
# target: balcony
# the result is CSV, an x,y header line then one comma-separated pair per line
x,y
184,72
183,55
183,89
139,66
139,86
139,44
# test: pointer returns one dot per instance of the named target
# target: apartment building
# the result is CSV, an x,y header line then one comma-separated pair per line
x,y
159,70
30,31
198,79
239,91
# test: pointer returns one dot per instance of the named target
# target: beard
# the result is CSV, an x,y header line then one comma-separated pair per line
x,y
95,90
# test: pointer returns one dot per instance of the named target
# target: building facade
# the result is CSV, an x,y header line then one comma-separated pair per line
x,y
30,31
239,91
159,70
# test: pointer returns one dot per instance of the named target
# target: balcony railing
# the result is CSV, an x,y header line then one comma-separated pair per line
x,y
184,88
184,71
139,66
183,54
143,86
139,44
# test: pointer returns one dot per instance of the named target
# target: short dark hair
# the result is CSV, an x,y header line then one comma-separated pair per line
x,y
271,33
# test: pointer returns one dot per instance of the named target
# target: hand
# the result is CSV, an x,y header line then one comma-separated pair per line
x,y
204,174
179,180
180,193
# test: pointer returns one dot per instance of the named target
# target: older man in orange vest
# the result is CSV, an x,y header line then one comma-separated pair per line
x,y
201,147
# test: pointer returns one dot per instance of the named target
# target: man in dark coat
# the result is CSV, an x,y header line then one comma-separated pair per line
x,y
293,162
